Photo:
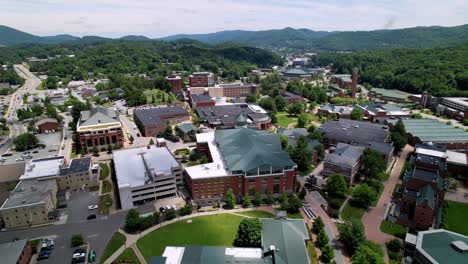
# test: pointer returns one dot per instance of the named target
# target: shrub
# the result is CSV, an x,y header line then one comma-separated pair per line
x,y
171,214
336,203
246,202
77,240
394,245
322,238
318,225
187,209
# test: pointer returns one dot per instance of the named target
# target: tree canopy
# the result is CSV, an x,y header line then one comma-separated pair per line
x,y
373,163
337,185
249,233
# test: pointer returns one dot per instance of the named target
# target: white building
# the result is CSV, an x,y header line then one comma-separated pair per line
x,y
146,174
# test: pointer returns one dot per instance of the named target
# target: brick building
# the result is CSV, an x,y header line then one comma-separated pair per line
x,y
226,90
201,79
176,83
375,112
244,160
235,115
291,97
46,125
423,189
197,100
99,127
16,252
151,121
343,159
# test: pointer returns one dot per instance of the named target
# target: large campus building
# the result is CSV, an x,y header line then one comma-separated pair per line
x,y
244,160
99,127
375,112
201,79
389,95
235,115
16,252
153,120
226,90
343,159
145,174
175,81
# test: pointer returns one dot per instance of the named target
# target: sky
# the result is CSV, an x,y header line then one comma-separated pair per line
x,y
158,18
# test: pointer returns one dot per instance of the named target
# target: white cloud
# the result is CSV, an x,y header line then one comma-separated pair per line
x,y
157,18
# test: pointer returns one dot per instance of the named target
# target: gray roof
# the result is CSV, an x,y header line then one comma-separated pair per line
x,y
288,237
29,192
226,115
200,98
426,175
247,149
130,167
98,115
295,133
352,131
10,252
158,115
431,130
345,155
77,166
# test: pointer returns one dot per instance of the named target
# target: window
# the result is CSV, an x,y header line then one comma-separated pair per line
x,y
251,180
276,188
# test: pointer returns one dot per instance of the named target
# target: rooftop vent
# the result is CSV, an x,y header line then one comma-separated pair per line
x,y
460,246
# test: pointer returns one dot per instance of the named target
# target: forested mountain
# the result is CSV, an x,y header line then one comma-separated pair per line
x,y
441,71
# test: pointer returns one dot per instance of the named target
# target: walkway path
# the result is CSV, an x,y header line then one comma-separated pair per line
x,y
374,216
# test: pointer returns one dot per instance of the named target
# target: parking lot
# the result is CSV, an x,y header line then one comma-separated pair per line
x,y
77,206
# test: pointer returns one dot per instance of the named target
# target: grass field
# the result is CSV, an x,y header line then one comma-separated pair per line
x,y
351,212
257,214
284,119
106,187
454,218
295,216
104,171
212,230
116,241
128,256
156,96
393,229
105,203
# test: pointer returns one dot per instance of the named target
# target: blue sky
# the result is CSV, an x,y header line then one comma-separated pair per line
x,y
156,18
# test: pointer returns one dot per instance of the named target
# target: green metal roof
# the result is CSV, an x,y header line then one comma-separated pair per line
x,y
247,150
431,130
296,72
288,238
186,127
390,93
436,245
426,193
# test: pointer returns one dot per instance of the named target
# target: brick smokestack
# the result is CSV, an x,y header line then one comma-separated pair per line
x,y
354,83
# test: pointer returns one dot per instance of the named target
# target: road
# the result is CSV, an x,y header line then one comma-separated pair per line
x,y
16,102
374,216
67,138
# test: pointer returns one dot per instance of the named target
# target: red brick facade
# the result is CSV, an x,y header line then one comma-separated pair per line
x,y
25,254
199,80
175,82
48,126
100,139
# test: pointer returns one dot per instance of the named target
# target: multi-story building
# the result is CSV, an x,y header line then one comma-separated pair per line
x,y
16,252
235,115
176,83
244,160
291,97
145,174
99,127
201,79
343,159
226,90
46,125
79,174
436,246
375,112
197,100
389,95
32,202
423,189
153,120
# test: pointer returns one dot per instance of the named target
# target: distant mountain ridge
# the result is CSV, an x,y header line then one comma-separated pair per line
x,y
286,38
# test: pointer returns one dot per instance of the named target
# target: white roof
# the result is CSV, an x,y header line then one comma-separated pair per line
x,y
430,152
411,239
45,167
173,254
130,168
257,109
217,168
456,157
255,253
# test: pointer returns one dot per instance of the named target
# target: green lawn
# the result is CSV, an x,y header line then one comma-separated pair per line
x,y
104,171
393,229
106,187
454,218
117,240
156,96
351,212
128,256
105,203
295,216
311,252
257,214
284,119
182,152
212,230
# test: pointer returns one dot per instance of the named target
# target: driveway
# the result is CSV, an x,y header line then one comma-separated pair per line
x,y
374,216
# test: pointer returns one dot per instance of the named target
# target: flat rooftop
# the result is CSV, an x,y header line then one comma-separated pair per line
x,y
391,93
458,100
438,246
361,132
431,130
214,254
44,167
29,192
130,167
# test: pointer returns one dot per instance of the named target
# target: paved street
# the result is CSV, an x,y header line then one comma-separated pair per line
x,y
374,216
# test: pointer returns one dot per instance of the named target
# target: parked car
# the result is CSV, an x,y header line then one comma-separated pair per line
x,y
43,255
92,207
90,217
162,209
79,255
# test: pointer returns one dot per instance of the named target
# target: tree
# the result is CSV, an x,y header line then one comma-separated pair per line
x,y
204,159
356,114
268,104
171,214
416,116
246,202
301,155
229,199
394,245
364,195
303,193
280,102
151,142
322,238
249,233
187,209
294,204
251,98
95,151
373,163
156,217
77,240
274,119
109,149
168,129
365,255
318,225
284,141
25,141
257,201
132,221
352,235
302,120
399,140
337,185
283,198
269,200
295,108
327,254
